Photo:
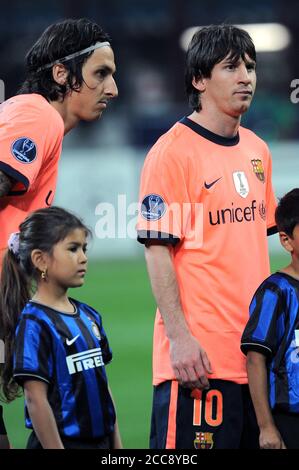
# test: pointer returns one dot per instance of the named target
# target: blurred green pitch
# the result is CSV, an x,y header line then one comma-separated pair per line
x,y
120,291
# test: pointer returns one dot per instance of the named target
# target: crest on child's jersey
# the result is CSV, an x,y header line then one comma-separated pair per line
x,y
258,169
153,207
203,440
24,150
241,183
95,330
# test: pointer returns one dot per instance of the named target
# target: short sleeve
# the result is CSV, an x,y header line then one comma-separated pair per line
x,y
23,134
32,354
106,350
266,309
163,200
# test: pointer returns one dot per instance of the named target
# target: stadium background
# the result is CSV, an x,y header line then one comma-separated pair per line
x,y
101,161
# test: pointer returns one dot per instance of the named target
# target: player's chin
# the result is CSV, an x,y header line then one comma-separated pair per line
x,y
242,107
77,282
93,116
245,102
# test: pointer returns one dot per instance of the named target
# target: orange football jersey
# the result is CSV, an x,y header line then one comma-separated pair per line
x,y
211,198
31,133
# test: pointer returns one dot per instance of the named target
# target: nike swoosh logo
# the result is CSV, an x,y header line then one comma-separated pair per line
x,y
208,186
69,342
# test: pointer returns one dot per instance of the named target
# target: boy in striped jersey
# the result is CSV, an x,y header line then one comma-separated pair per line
x,y
271,340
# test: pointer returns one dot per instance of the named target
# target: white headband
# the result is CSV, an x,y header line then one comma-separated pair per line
x,y
97,45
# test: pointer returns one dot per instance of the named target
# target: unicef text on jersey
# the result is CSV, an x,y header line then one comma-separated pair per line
x,y
2,91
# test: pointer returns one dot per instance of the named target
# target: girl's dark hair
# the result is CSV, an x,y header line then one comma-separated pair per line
x,y
287,212
56,42
208,47
40,230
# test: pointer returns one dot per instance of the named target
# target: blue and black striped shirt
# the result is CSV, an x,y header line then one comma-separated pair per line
x,y
273,330
69,353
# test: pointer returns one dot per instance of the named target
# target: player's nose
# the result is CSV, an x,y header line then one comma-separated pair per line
x,y
111,89
244,75
83,257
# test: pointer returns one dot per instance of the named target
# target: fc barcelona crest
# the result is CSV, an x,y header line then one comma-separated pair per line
x,y
258,169
203,440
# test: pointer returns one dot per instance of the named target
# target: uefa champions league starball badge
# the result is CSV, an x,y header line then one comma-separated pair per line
x,y
96,330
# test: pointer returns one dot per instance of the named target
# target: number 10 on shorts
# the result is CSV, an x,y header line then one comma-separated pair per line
x,y
208,410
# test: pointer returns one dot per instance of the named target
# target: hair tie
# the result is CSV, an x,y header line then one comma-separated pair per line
x,y
14,243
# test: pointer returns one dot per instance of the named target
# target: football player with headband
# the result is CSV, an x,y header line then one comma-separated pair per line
x,y
69,78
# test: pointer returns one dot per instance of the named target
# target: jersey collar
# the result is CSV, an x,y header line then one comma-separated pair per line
x,y
217,139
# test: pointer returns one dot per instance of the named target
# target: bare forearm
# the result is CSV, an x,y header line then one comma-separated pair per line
x,y
165,290
257,377
44,424
189,360
117,442
6,184
269,437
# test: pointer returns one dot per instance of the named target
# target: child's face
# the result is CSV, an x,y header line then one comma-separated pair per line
x,y
291,244
67,265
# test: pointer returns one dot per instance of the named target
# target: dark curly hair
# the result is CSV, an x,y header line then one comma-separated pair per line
x,y
56,42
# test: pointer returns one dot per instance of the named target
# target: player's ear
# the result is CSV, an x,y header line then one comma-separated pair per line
x,y
199,83
286,241
39,259
60,74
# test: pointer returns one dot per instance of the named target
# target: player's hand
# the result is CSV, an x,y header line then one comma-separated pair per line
x,y
270,438
190,362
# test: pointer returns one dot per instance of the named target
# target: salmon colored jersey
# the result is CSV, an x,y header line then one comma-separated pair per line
x,y
31,133
211,198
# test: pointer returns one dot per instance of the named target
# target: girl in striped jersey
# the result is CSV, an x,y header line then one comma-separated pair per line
x,y
56,347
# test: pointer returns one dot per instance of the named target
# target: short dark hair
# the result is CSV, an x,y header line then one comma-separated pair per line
x,y
209,46
287,212
57,41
